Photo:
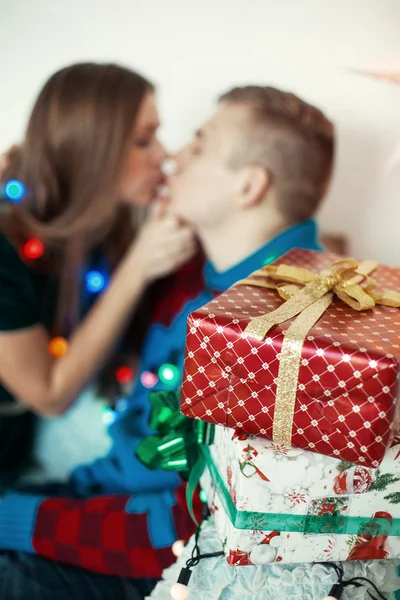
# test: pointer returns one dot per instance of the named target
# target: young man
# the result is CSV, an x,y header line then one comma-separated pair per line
x,y
249,184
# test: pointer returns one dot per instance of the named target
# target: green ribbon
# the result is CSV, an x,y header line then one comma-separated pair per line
x,y
175,446
295,523
182,444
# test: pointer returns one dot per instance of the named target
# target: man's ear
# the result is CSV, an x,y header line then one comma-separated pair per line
x,y
255,183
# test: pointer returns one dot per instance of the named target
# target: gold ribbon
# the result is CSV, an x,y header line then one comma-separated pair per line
x,y
308,295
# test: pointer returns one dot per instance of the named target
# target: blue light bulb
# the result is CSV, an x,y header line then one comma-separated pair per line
x,y
108,416
14,190
95,282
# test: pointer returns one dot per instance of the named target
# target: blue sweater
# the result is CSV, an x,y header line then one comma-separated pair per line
x,y
120,472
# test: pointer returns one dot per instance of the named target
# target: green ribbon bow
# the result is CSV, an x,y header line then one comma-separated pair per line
x,y
176,444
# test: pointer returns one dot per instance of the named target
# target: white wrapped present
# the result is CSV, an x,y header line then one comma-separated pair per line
x,y
278,504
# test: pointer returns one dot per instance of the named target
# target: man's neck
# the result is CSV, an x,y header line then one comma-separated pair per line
x,y
236,240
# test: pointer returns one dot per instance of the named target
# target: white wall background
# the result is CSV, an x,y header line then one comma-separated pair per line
x,y
195,49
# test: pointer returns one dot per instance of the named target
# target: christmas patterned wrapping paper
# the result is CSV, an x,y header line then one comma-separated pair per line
x,y
346,394
277,504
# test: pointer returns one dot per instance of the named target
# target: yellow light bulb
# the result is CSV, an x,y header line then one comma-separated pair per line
x,y
58,347
177,548
179,591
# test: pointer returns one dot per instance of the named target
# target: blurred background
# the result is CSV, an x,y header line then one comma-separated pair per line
x,y
324,51
195,50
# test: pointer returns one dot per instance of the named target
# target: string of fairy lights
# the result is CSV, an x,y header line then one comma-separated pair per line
x,y
168,374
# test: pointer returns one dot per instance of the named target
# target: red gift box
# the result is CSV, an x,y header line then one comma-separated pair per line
x,y
346,395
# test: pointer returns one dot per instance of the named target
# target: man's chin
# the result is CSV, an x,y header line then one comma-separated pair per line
x,y
179,214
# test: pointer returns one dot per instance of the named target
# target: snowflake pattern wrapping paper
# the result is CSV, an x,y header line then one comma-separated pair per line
x,y
346,402
277,504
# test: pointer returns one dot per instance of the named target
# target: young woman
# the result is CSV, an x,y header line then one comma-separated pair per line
x,y
89,163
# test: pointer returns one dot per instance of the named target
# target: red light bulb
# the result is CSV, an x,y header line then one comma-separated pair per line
x,y
33,249
124,375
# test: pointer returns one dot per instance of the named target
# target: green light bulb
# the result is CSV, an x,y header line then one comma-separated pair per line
x,y
203,496
169,374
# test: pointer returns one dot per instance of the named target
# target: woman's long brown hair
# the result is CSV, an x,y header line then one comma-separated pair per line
x,y
70,162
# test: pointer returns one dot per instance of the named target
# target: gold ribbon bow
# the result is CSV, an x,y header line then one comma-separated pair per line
x,y
308,295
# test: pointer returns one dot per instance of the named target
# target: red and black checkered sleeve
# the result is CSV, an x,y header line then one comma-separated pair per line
x,y
101,534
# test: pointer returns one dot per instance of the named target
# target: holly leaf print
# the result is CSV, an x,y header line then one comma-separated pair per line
x,y
382,482
394,498
343,465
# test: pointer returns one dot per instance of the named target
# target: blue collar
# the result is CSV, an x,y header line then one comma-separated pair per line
x,y
303,235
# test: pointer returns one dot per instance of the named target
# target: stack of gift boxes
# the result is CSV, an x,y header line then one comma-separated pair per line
x,y
297,368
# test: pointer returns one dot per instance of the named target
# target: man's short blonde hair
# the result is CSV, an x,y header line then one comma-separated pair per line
x,y
293,140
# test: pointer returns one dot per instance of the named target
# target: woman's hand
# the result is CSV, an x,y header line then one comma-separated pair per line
x,y
162,246
50,386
